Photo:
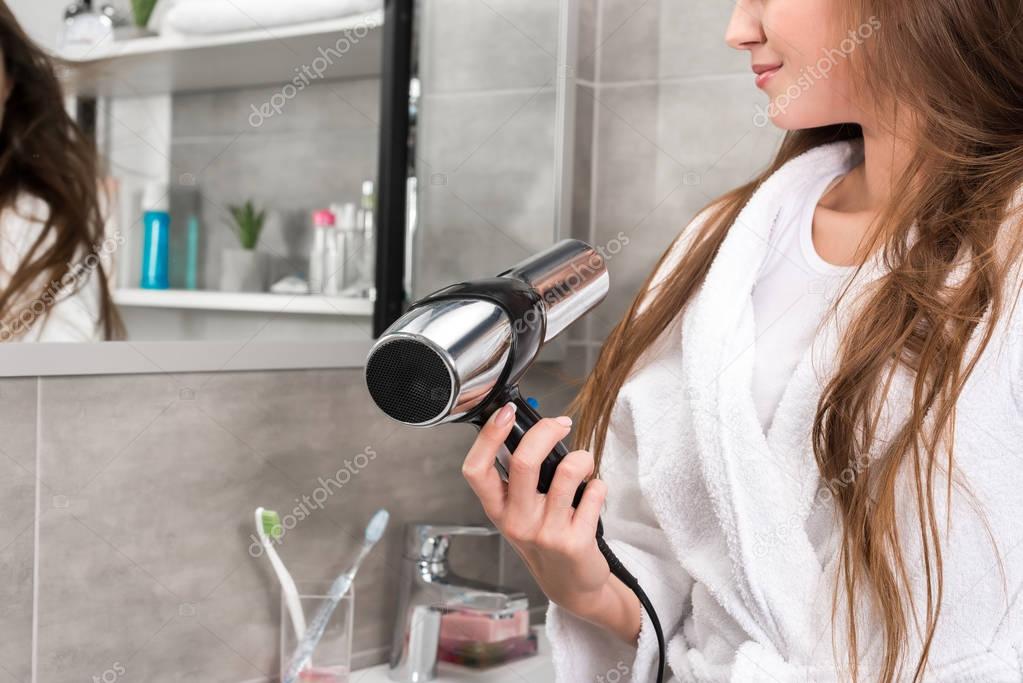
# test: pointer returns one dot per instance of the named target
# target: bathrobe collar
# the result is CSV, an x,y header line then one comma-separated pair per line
x,y
760,488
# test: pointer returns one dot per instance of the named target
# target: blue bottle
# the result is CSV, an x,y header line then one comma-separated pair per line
x,y
192,255
156,227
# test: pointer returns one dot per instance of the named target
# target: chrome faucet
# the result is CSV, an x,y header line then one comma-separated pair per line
x,y
428,589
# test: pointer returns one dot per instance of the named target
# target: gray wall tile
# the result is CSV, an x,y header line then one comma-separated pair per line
x,y
583,163
17,535
468,45
665,151
587,39
486,194
146,531
319,107
665,39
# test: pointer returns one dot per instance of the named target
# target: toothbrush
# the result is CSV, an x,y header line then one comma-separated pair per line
x,y
268,526
374,531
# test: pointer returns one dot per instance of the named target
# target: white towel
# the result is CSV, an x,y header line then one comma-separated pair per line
x,y
227,16
711,514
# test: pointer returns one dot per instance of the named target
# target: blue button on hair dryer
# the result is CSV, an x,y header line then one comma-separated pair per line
x,y
458,354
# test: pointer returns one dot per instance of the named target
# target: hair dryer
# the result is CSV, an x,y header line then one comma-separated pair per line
x,y
458,354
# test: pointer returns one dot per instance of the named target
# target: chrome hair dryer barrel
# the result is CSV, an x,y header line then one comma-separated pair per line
x,y
458,354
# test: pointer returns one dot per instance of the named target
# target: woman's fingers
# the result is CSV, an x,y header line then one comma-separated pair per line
x,y
588,512
525,504
571,472
478,467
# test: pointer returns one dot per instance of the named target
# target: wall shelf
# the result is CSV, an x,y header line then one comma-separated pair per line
x,y
170,64
279,304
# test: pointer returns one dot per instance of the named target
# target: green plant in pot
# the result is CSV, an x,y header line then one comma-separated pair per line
x,y
142,10
245,269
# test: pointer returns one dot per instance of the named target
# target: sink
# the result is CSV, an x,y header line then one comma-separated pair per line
x,y
536,669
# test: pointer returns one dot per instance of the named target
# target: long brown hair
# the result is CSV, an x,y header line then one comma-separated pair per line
x,y
46,156
958,67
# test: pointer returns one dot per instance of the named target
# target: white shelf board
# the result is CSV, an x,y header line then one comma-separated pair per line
x,y
283,304
275,55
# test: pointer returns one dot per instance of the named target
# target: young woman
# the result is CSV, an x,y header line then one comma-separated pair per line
x,y
53,285
809,425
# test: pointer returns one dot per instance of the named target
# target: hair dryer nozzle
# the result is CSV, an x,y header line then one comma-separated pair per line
x,y
438,362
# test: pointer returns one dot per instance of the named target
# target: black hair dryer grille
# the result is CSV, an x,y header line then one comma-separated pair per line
x,y
409,381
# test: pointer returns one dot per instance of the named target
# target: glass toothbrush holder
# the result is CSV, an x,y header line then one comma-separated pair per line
x,y
332,659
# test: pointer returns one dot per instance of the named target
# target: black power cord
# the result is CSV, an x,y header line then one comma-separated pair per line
x,y
623,574
525,417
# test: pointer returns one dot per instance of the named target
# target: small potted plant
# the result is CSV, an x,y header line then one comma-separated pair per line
x,y
245,269
141,11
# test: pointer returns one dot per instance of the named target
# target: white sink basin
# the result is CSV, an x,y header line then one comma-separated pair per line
x,y
537,669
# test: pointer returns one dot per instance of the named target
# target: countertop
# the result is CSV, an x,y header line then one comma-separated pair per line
x,y
538,669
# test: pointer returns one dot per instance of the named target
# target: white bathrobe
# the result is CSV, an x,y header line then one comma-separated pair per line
x,y
732,533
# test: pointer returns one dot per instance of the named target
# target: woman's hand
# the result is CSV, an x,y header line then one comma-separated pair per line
x,y
556,541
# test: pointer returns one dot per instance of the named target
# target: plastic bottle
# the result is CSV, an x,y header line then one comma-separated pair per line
x,y
331,259
323,235
156,227
367,255
348,241
192,254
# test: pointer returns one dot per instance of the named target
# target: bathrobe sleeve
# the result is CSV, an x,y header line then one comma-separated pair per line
x,y
582,651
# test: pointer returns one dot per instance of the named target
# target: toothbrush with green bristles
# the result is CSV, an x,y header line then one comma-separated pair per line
x,y
269,529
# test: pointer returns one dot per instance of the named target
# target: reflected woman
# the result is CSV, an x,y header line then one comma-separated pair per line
x,y
53,251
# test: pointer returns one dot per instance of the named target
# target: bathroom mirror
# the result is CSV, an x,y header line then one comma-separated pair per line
x,y
308,179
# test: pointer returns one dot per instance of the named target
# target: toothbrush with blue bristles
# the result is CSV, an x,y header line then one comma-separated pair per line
x,y
303,653
269,529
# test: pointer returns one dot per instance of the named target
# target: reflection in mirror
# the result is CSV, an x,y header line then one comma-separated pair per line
x,y
486,138
238,167
236,170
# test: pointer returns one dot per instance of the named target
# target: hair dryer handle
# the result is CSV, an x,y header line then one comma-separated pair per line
x,y
526,417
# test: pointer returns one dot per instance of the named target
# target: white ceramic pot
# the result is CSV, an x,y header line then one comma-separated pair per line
x,y
244,270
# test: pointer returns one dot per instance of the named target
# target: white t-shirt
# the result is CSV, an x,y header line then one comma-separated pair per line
x,y
793,291
75,312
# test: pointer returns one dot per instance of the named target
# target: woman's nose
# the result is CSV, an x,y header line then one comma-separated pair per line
x,y
744,28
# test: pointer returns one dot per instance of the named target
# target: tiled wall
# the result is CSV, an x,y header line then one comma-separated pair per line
x,y
665,124
485,147
146,486
17,534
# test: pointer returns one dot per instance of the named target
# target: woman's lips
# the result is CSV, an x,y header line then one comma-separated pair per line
x,y
765,75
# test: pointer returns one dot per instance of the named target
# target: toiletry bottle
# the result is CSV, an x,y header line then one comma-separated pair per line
x,y
156,228
367,255
192,254
331,261
323,224
348,241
